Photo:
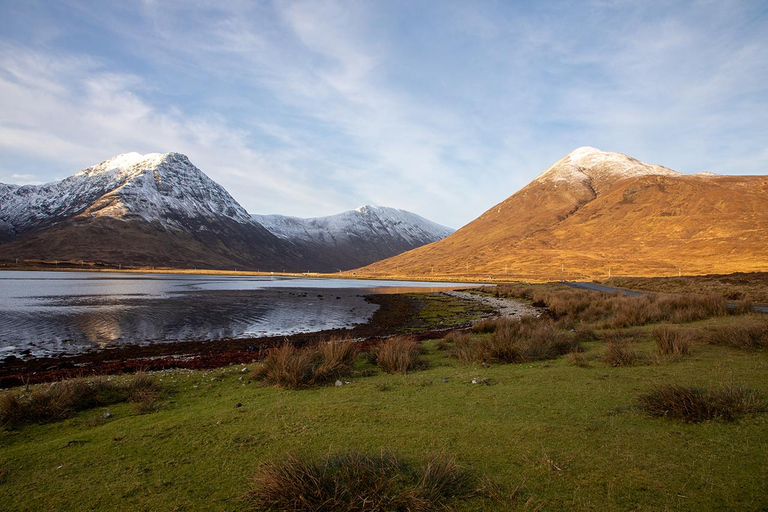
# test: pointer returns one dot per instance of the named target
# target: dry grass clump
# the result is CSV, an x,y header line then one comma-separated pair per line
x,y
398,354
672,342
619,353
485,326
515,341
297,368
750,333
575,308
60,400
351,481
577,358
693,404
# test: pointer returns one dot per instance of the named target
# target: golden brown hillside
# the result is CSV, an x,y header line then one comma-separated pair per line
x,y
595,213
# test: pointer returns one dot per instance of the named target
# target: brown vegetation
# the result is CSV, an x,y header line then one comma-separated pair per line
x,y
672,342
693,404
297,368
602,223
352,481
744,287
398,354
750,333
60,400
514,341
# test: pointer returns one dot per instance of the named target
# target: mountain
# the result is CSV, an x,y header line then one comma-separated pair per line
x,y
356,237
161,210
155,209
595,213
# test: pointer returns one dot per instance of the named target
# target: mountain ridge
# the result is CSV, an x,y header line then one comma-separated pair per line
x,y
159,209
594,212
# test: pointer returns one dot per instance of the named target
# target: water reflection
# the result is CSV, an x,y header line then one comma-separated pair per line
x,y
74,312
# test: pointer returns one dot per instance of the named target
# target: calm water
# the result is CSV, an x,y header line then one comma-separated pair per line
x,y
53,313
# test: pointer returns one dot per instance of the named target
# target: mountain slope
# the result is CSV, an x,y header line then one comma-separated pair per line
x,y
595,212
155,209
356,237
161,210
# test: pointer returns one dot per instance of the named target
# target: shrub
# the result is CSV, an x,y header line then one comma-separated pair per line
x,y
515,341
398,354
577,358
750,333
60,400
618,353
297,368
353,481
693,404
672,342
485,326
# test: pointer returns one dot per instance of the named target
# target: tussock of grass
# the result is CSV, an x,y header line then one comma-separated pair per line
x,y
619,353
575,308
298,368
352,481
577,358
399,354
693,404
515,341
750,333
485,326
60,400
672,342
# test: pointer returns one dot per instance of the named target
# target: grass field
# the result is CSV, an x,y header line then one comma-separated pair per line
x,y
555,435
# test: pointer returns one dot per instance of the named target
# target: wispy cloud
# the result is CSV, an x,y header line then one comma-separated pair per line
x,y
443,108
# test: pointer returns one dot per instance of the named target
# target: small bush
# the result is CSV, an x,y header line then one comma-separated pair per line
x,y
399,354
352,481
297,368
618,353
693,404
485,326
672,342
576,358
515,341
60,400
750,333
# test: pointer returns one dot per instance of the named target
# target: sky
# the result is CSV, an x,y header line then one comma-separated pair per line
x,y
440,107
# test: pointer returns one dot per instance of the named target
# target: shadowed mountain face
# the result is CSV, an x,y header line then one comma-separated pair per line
x,y
594,212
160,210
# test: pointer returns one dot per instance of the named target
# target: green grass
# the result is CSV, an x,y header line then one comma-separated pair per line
x,y
565,437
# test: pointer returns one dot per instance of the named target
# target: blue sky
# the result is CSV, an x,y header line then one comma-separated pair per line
x,y
440,107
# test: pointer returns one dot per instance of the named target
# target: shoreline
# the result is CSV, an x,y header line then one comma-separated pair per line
x,y
397,314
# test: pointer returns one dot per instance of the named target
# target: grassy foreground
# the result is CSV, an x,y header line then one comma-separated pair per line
x,y
566,436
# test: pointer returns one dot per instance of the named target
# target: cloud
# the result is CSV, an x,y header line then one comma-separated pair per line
x,y
311,107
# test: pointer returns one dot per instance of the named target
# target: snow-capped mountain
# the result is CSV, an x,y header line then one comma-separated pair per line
x,y
164,188
356,237
161,210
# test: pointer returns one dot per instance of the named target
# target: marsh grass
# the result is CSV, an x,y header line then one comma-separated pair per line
x,y
672,342
694,404
60,400
398,354
750,333
588,309
514,341
293,367
352,481
620,353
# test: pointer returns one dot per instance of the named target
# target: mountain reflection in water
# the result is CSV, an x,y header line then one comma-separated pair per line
x,y
53,313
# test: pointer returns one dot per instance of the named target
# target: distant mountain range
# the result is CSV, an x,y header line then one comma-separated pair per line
x,y
593,214
161,210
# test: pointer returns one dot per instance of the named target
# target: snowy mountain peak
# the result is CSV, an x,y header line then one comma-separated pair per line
x,y
162,187
587,165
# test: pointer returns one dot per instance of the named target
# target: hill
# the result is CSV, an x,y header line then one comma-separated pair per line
x,y
593,214
161,210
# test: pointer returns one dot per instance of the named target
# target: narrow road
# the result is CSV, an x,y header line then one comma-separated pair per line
x,y
601,288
